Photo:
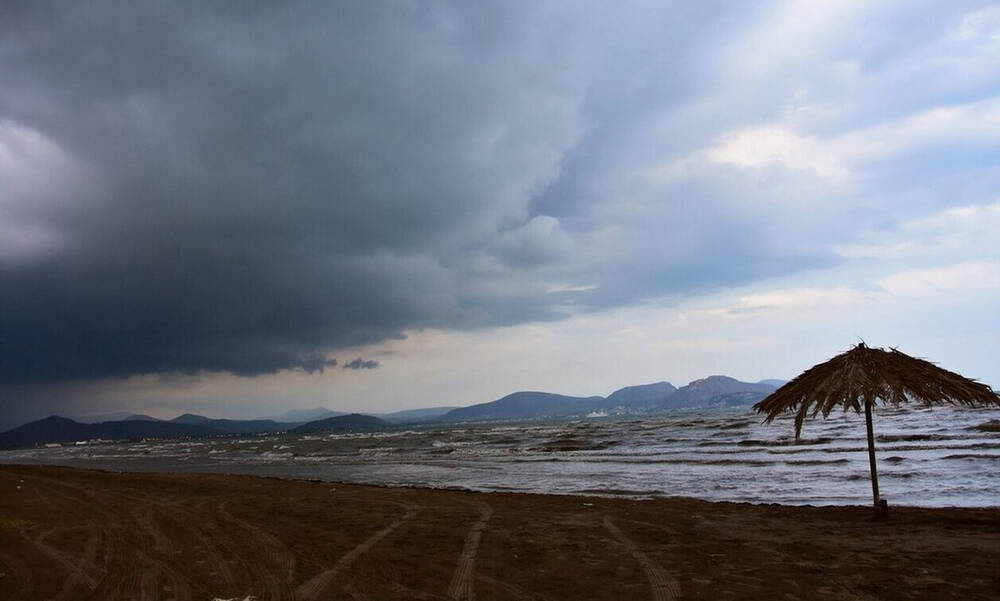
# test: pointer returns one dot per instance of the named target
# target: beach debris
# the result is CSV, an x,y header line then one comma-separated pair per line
x,y
864,375
13,524
991,426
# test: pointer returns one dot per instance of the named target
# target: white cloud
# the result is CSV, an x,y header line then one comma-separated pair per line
x,y
539,241
774,145
937,262
982,26
794,33
812,299
961,123
557,287
842,156
952,281
952,235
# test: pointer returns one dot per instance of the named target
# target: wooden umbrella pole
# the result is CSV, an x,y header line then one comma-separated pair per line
x,y
871,455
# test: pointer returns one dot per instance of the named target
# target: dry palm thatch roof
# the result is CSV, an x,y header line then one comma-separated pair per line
x,y
864,375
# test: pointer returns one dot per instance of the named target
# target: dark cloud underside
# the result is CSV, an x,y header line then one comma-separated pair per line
x,y
263,186
190,186
360,363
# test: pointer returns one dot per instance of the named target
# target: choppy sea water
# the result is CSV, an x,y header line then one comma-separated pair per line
x,y
926,457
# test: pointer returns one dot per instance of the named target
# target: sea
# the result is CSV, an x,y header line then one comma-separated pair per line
x,y
931,457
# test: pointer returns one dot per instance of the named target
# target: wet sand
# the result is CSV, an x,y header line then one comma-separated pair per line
x,y
75,534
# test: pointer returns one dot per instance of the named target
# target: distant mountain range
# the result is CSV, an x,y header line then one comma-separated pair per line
x,y
714,391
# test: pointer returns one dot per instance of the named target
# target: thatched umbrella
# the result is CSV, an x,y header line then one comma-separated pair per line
x,y
864,375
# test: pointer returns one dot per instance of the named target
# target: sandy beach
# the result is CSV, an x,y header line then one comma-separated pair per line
x,y
78,534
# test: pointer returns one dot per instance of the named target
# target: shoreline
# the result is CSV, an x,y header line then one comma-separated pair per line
x,y
592,494
72,533
595,493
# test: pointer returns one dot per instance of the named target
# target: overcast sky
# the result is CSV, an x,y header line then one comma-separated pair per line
x,y
239,210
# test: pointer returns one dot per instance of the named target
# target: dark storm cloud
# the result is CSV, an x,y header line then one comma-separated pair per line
x,y
265,185
360,363
190,187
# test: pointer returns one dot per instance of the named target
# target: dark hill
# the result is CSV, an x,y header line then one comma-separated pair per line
x,y
248,426
191,418
715,391
410,416
61,429
145,429
50,429
135,417
233,426
525,405
354,422
119,416
773,382
640,398
301,416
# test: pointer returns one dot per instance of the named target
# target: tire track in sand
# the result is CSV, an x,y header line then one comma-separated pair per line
x,y
277,551
312,588
461,587
514,590
155,575
80,575
76,568
210,539
120,577
275,586
19,575
665,588
144,517
134,574
158,574
99,524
